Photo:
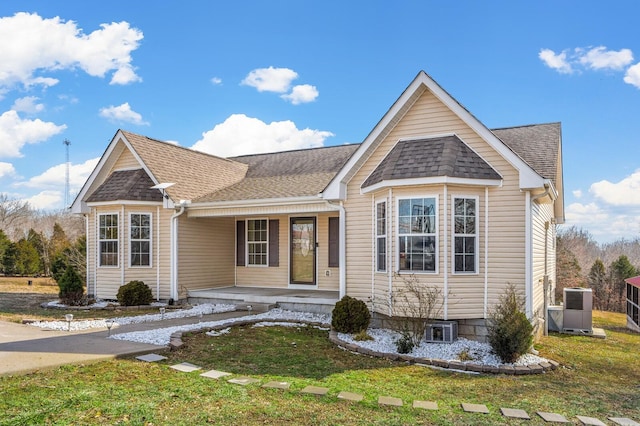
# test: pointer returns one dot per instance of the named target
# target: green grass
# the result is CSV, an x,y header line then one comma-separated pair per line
x,y
599,378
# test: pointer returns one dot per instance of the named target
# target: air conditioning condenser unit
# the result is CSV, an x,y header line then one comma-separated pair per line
x,y
577,312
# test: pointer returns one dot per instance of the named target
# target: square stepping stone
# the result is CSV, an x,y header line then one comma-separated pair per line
x,y
277,385
185,367
215,374
151,358
475,408
425,405
243,381
350,396
624,421
515,413
315,390
552,417
390,400
591,421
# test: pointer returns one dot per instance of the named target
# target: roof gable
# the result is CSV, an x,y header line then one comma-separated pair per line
x,y
528,177
444,156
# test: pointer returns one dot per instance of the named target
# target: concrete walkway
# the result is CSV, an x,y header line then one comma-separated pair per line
x,y
25,348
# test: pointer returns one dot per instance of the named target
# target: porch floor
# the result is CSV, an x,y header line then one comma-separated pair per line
x,y
271,296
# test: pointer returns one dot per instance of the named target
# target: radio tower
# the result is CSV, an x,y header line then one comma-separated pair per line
x,y
66,143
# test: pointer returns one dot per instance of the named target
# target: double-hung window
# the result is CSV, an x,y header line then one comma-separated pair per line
x,y
257,242
108,239
381,236
465,235
140,239
417,239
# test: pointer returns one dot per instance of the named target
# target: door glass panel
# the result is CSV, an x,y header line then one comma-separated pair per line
x,y
303,251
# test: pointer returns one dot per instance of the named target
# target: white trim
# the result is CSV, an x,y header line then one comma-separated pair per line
x,y
453,234
130,240
436,234
121,238
390,257
158,253
486,252
342,249
246,240
256,202
95,250
122,203
173,243
528,267
299,209
86,253
436,180
374,251
98,240
445,252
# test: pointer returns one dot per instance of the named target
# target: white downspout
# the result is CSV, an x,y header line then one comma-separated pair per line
x,y
174,252
389,255
446,254
343,250
86,253
528,267
486,251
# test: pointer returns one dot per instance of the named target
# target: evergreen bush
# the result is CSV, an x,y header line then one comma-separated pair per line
x,y
350,315
134,293
510,331
71,288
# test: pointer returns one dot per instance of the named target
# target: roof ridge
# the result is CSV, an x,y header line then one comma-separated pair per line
x,y
525,125
296,150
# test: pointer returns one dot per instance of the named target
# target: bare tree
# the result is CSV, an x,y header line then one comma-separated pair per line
x,y
12,215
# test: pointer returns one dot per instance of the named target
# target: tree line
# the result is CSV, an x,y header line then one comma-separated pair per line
x,y
582,262
34,243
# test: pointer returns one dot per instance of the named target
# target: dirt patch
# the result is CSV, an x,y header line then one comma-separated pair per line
x,y
17,302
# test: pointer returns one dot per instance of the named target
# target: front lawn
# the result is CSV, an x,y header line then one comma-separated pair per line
x,y
599,378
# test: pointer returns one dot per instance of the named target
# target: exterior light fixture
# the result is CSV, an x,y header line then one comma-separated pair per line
x,y
69,318
109,323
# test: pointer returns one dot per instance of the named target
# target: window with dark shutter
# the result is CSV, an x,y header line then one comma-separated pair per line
x,y
240,252
334,242
274,254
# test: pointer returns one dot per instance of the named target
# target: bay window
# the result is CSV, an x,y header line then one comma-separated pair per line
x,y
465,235
381,236
140,239
417,239
108,252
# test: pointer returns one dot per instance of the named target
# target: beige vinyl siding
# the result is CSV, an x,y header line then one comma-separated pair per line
x,y
125,161
278,277
206,253
107,280
506,237
542,213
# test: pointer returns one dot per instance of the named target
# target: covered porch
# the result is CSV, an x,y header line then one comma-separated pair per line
x,y
316,301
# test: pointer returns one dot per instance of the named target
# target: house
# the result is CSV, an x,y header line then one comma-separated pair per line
x,y
633,303
430,192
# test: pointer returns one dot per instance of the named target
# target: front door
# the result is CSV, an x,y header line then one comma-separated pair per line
x,y
303,250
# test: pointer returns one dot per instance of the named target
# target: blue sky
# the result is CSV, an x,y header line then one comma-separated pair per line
x,y
249,76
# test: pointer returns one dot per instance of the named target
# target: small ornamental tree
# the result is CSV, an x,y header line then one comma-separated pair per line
x,y
71,288
350,315
510,331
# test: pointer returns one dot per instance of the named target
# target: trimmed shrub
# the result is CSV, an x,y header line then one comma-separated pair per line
x,y
71,288
510,331
350,315
134,293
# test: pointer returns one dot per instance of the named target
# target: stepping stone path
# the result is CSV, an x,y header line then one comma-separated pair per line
x,y
215,374
387,400
185,367
590,421
350,396
475,408
552,417
515,413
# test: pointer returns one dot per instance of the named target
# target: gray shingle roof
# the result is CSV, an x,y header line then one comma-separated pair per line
x,y
431,157
537,144
297,173
133,185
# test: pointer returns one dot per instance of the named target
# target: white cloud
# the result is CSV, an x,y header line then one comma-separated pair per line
x,y
301,94
240,134
270,79
577,193
41,45
599,58
606,224
54,177
555,61
46,200
6,170
16,132
623,193
28,104
632,76
122,113
216,81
